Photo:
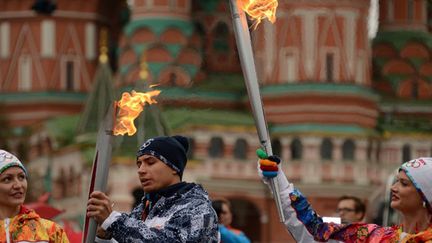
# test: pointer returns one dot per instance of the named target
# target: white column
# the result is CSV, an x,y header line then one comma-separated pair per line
x,y
4,40
25,73
90,41
48,40
350,35
310,35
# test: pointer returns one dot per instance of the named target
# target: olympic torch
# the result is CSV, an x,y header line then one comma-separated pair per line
x,y
244,47
101,163
119,120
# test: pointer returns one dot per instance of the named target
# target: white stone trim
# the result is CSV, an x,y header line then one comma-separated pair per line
x,y
25,73
288,66
90,41
48,40
5,40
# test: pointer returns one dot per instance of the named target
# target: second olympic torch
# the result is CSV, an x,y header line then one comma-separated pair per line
x,y
244,47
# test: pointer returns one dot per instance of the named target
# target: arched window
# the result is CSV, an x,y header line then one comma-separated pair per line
x,y
240,149
329,67
296,149
216,148
406,153
415,89
199,28
326,149
191,150
369,151
62,183
390,10
276,147
71,183
410,9
377,152
348,150
221,37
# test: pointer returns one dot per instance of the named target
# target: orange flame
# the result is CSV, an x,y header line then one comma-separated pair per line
x,y
259,10
129,108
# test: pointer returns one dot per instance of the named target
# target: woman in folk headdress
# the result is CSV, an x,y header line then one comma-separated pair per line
x,y
18,223
411,196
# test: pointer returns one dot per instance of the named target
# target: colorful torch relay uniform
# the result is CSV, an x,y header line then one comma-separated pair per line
x,y
183,214
28,226
306,226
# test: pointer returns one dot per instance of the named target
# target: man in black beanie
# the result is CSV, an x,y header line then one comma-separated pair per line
x,y
171,210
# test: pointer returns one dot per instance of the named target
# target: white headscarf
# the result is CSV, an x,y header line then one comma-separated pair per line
x,y
8,160
420,173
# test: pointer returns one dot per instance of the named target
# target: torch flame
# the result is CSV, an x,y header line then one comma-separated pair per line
x,y
259,10
129,108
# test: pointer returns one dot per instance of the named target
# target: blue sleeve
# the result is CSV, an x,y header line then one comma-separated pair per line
x,y
227,236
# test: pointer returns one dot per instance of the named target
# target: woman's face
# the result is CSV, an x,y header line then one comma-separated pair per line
x,y
225,215
405,196
13,187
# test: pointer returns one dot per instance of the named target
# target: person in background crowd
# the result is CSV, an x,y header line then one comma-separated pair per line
x,y
411,196
350,209
228,233
18,223
170,211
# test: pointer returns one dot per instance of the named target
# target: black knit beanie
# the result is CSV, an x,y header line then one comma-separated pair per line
x,y
170,150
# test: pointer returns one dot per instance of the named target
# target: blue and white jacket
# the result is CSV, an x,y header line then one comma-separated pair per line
x,y
183,216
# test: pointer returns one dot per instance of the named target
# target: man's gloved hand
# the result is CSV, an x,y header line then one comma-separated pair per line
x,y
268,164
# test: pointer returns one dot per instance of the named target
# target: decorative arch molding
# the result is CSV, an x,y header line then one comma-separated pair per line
x,y
25,45
426,69
223,20
173,36
386,50
128,57
158,53
143,35
398,67
174,76
70,44
123,42
190,56
415,50
134,75
414,88
196,41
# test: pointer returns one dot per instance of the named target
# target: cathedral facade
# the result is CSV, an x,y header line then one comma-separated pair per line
x,y
344,108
